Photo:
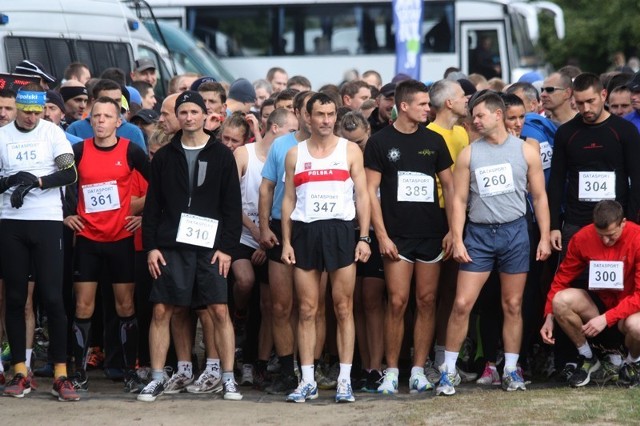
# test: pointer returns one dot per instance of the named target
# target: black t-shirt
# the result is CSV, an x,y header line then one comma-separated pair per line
x,y
391,152
610,146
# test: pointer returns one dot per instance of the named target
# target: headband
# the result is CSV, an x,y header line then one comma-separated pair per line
x,y
30,101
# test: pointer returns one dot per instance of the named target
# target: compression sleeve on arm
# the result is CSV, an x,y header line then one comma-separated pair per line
x,y
66,174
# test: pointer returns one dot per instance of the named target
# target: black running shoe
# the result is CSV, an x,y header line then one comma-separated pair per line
x,y
133,383
284,385
80,381
582,375
630,374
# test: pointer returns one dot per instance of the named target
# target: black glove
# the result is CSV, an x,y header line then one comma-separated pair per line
x,y
21,191
22,178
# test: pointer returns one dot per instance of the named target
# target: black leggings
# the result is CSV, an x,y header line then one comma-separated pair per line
x,y
37,242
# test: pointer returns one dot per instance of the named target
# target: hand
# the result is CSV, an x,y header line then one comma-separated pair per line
x,y
363,251
544,250
74,222
460,254
547,331
154,260
22,178
224,262
556,240
288,256
21,191
268,239
388,248
258,257
594,326
133,223
253,124
447,245
213,121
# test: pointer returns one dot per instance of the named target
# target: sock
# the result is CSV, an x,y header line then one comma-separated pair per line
x,y
439,358
60,370
395,371
157,375
345,373
129,341
417,370
585,350
186,368
20,368
307,374
630,359
510,361
616,359
227,375
450,359
286,365
28,357
213,366
81,330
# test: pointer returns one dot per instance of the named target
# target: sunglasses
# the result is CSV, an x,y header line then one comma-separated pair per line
x,y
550,89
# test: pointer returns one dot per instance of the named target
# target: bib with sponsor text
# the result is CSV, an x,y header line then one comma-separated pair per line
x,y
101,197
415,187
606,275
197,230
495,180
596,186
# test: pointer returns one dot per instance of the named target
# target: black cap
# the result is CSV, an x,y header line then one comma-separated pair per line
x,y
388,90
56,99
147,115
467,86
190,96
634,84
33,67
196,84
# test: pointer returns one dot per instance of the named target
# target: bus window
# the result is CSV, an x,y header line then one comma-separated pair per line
x,y
314,30
437,26
484,54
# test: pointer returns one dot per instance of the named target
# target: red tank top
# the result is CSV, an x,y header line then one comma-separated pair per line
x,y
104,191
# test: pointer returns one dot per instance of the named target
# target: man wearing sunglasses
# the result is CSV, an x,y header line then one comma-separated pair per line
x,y
555,96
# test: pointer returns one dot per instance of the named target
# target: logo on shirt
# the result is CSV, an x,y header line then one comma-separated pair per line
x,y
307,166
336,164
118,163
393,154
593,145
426,152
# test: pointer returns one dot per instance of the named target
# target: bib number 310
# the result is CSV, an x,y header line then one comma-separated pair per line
x,y
197,230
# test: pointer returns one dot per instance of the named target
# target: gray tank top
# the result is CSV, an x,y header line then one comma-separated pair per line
x,y
498,181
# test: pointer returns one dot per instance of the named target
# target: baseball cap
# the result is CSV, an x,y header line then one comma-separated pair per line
x,y
634,84
143,64
199,82
242,90
388,90
147,115
32,67
467,86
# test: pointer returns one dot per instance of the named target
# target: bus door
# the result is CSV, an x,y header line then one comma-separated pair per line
x,y
483,49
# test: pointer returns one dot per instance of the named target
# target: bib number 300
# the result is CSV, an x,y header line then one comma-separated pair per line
x,y
197,230
606,275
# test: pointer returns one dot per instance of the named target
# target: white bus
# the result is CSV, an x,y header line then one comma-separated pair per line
x,y
323,39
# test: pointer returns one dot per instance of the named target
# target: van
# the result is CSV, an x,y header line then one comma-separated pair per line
x,y
98,33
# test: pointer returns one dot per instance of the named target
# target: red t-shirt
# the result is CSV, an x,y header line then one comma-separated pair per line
x,y
586,246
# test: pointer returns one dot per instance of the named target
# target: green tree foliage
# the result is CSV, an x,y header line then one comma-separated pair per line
x,y
595,30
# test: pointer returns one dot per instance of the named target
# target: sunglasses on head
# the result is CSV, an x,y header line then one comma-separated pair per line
x,y
550,89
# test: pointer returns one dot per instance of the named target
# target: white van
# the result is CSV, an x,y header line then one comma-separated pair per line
x,y
99,33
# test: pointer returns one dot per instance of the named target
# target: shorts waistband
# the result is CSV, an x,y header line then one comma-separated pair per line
x,y
499,225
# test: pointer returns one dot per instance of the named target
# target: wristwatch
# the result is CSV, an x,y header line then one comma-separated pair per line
x,y
366,239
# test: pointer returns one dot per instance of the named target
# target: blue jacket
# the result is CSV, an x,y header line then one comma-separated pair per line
x,y
83,129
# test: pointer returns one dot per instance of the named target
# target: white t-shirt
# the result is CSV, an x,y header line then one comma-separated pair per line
x,y
34,152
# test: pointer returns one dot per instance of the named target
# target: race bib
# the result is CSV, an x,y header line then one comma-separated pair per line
x,y
415,187
101,197
321,205
25,155
495,180
606,275
197,230
596,186
546,152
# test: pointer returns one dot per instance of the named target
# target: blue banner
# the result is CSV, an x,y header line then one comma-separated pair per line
x,y
407,19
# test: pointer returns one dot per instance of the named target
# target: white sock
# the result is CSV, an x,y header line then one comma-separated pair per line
x,y
213,366
395,371
417,370
615,359
585,350
1,367
186,368
28,358
450,359
510,361
630,359
307,374
439,358
345,373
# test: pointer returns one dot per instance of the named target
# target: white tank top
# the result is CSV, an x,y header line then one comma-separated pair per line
x,y
324,189
250,188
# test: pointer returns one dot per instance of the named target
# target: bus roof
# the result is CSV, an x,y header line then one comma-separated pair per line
x,y
196,3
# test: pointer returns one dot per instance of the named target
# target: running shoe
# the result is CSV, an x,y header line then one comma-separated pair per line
x,y
32,380
585,367
64,390
629,374
608,373
489,376
208,382
231,391
448,382
323,381
18,386
274,364
133,383
432,372
154,389
303,392
247,375
389,383
564,376
177,383
95,359
419,383
283,385
3,379
512,380
344,392
466,376
80,381
374,379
